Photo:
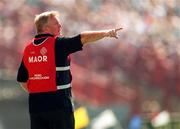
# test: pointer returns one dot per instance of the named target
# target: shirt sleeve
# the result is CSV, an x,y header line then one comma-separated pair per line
x,y
22,75
69,45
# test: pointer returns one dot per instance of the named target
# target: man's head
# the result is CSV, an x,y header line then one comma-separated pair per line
x,y
47,22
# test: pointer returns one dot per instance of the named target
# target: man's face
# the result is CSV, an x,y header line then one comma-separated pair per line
x,y
53,26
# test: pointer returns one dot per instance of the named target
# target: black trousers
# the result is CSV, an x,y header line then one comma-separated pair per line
x,y
52,120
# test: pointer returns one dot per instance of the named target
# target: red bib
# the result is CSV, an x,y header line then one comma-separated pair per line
x,y
40,62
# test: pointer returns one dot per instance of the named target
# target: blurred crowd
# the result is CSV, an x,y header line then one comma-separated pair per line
x,y
147,52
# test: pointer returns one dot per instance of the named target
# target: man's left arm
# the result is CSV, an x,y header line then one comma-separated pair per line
x,y
24,86
22,76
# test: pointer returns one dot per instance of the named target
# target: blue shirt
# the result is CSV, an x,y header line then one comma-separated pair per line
x,y
61,99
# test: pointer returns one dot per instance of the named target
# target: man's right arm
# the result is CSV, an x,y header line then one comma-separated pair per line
x,y
92,36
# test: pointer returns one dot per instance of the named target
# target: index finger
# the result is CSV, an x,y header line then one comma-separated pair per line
x,y
118,29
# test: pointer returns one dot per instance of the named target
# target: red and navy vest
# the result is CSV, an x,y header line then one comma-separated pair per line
x,y
40,62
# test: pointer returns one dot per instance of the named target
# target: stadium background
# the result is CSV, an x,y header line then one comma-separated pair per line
x,y
129,83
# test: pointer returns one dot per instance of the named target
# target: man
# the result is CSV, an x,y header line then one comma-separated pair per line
x,y
45,71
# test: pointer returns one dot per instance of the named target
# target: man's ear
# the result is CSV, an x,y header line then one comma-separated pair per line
x,y
45,28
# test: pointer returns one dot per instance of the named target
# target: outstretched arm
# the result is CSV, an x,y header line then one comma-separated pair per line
x,y
91,36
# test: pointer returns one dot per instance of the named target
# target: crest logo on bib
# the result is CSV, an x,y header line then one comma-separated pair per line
x,y
43,51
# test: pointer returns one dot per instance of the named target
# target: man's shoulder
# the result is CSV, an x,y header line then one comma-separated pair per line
x,y
60,39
